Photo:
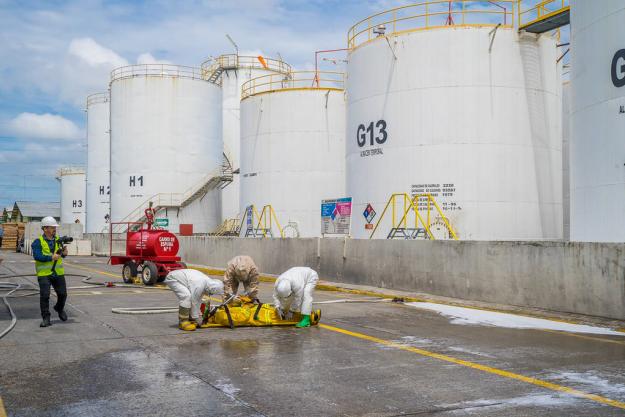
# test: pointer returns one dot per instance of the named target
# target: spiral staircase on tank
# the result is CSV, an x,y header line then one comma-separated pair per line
x,y
218,179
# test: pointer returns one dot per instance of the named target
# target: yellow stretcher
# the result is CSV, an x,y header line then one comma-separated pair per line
x,y
248,314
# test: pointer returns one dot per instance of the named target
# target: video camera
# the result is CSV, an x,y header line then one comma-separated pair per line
x,y
63,240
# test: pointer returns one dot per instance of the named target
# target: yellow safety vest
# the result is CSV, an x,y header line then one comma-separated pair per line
x,y
44,269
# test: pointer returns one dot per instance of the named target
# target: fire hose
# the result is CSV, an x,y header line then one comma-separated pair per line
x,y
13,287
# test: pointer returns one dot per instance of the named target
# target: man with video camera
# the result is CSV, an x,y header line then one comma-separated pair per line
x,y
49,251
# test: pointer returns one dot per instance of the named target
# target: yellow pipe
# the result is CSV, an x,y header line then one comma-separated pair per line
x,y
382,216
451,230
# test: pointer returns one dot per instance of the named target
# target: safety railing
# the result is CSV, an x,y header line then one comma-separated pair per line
x,y
539,10
432,14
298,80
232,61
97,98
265,224
156,70
423,207
70,170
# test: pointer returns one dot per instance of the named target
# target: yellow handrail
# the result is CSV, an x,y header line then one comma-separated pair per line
x,y
266,218
432,14
268,213
540,11
412,203
324,80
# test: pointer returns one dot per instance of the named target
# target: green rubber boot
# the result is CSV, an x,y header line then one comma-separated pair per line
x,y
305,322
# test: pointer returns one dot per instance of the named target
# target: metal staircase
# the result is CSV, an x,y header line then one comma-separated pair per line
x,y
214,75
218,179
211,182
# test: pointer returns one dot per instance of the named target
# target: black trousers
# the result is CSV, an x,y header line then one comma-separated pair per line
x,y
58,283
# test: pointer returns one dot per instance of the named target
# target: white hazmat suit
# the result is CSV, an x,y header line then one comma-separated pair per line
x,y
190,285
302,282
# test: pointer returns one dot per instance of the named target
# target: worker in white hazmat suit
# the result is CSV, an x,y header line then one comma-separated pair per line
x,y
190,285
293,292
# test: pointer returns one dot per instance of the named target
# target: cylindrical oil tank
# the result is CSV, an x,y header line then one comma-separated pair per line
x,y
598,121
470,114
166,145
233,70
73,194
98,163
293,147
152,243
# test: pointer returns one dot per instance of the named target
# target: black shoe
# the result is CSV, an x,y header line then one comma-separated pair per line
x,y
62,314
45,322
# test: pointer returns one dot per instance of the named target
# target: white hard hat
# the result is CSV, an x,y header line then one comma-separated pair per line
x,y
49,221
283,288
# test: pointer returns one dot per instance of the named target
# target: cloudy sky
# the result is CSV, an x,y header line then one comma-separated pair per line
x,y
54,53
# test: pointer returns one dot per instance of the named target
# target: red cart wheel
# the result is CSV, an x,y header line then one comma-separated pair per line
x,y
129,272
149,274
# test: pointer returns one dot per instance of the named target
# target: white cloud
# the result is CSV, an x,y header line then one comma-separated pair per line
x,y
147,58
44,126
95,54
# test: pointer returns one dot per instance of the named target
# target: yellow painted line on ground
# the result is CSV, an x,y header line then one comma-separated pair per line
x,y
479,367
3,411
85,268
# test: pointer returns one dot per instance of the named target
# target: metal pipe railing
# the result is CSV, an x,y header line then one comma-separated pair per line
x,y
540,10
323,80
156,70
433,14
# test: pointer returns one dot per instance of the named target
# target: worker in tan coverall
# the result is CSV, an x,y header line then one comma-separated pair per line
x,y
241,269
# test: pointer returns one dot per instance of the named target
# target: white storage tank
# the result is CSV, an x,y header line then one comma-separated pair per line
x,y
566,158
470,114
232,71
166,145
98,163
293,146
598,121
73,194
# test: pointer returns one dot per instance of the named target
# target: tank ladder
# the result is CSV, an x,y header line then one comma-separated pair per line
x,y
400,229
265,224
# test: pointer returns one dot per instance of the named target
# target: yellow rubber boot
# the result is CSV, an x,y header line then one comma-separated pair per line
x,y
183,320
187,326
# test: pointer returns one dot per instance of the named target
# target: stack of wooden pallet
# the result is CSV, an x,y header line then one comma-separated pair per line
x,y
13,232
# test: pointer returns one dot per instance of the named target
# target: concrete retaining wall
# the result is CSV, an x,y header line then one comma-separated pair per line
x,y
584,278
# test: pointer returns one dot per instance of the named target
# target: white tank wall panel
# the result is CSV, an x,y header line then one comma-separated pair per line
x,y
566,172
73,196
232,81
597,121
293,154
480,131
98,165
166,138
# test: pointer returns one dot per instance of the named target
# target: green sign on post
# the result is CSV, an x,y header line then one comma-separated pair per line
x,y
161,222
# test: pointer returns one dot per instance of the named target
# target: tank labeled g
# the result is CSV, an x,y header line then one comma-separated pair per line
x,y
377,133
618,68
